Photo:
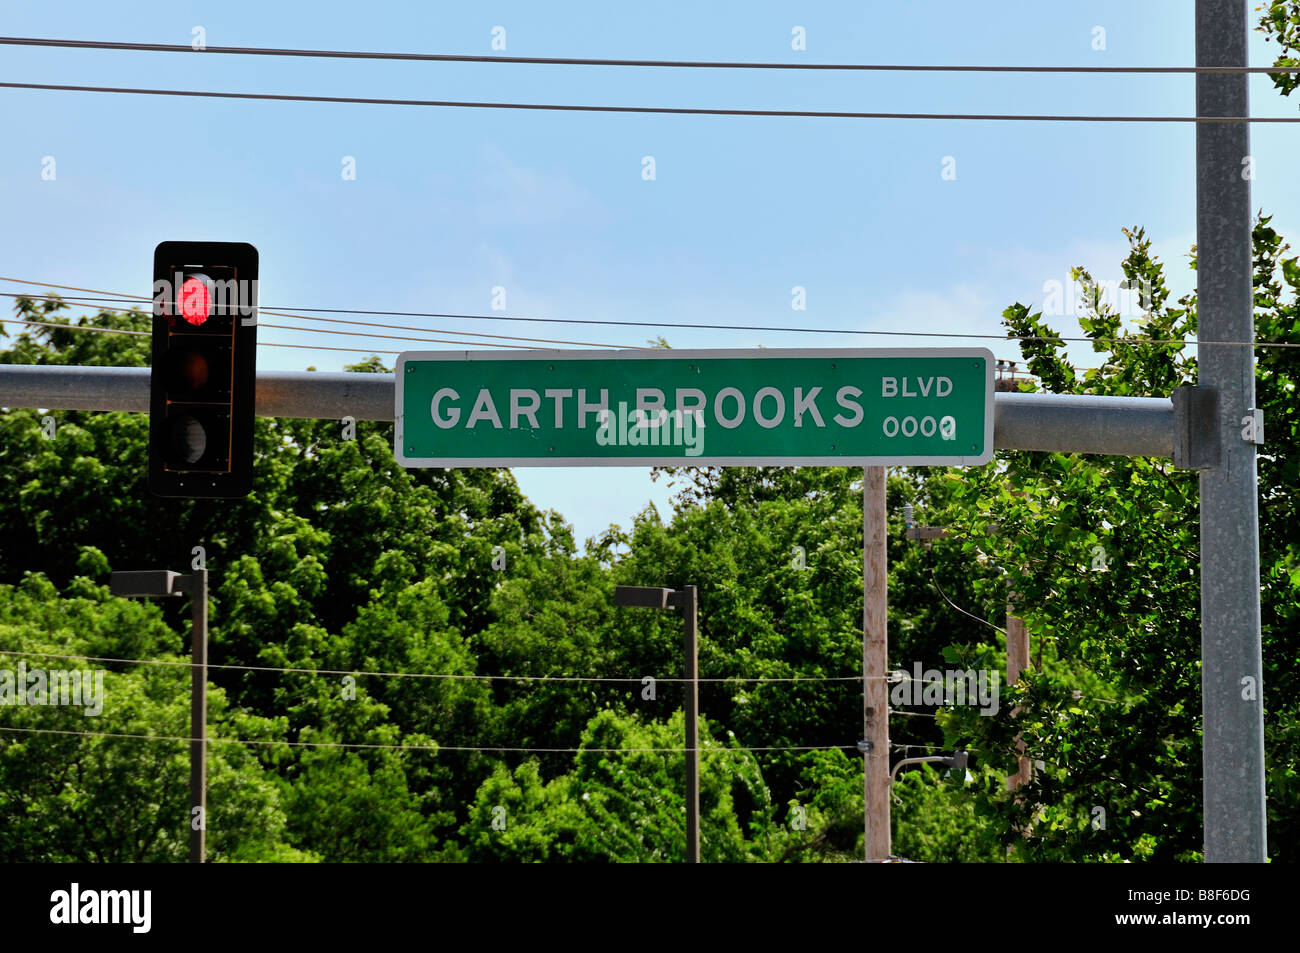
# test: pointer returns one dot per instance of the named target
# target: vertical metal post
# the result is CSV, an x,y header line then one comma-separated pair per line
x,y
1231,658
198,589
690,612
875,666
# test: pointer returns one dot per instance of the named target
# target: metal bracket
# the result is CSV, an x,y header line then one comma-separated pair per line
x,y
1196,427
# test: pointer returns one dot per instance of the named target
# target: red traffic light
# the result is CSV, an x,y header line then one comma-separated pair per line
x,y
194,300
203,385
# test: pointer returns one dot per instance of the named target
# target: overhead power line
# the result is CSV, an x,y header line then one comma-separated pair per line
x,y
593,61
284,309
261,742
801,330
75,327
939,588
289,327
136,300
283,327
82,327
120,297
322,347
394,337
128,299
455,676
652,110
310,347
145,334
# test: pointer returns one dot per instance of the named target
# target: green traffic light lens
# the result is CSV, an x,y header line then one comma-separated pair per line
x,y
189,441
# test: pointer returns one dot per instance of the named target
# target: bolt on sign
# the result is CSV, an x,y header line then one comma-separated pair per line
x,y
764,407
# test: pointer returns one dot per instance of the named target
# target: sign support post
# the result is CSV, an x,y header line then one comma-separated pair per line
x,y
875,666
1231,652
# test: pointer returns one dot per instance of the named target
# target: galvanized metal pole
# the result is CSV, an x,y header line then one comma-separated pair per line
x,y
1231,658
1061,423
313,394
875,666
691,613
197,584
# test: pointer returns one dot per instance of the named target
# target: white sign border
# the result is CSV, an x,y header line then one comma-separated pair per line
x,y
538,356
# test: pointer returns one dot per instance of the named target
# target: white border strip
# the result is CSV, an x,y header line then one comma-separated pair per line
x,y
701,461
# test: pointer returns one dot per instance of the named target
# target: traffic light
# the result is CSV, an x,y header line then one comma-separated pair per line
x,y
203,385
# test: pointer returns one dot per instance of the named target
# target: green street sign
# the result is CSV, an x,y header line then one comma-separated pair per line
x,y
762,407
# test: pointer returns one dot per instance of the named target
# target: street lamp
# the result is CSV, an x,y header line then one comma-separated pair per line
x,y
954,762
151,583
686,599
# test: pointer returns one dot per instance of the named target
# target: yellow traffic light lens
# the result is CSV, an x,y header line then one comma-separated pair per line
x,y
189,371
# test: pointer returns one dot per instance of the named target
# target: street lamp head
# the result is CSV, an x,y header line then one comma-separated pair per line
x,y
645,597
147,582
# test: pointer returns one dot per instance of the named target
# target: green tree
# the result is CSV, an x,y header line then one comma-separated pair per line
x,y
78,784
1103,552
622,801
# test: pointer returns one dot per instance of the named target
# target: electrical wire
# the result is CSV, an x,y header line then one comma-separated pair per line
x,y
643,110
131,299
82,301
286,327
310,347
74,327
121,298
322,347
397,337
959,608
590,61
746,327
476,334
434,748
1179,342
454,676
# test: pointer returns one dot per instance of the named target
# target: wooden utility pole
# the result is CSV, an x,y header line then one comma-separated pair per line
x,y
875,665
1017,662
690,606
1017,641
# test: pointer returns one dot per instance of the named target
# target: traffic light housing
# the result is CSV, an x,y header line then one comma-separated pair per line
x,y
203,384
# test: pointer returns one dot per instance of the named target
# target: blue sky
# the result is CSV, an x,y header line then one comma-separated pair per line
x,y
448,204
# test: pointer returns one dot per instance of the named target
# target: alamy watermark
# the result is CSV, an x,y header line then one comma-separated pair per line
x,y
39,686
933,688
128,907
651,427
197,296
1123,296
